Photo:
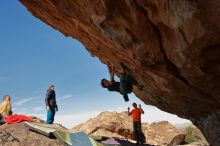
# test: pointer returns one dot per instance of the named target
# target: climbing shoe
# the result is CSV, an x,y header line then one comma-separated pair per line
x,y
126,98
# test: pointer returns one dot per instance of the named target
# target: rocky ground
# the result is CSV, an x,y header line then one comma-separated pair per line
x,y
19,135
107,124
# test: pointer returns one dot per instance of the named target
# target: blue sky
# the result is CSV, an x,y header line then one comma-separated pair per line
x,y
33,55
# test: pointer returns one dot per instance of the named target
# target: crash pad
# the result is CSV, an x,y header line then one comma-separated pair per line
x,y
44,129
111,141
64,136
76,139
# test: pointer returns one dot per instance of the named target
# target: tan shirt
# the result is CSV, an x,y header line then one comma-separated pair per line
x,y
5,109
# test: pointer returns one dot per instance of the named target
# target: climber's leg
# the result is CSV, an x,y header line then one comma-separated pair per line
x,y
126,97
129,80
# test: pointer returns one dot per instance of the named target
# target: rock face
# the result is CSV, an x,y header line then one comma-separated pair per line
x,y
112,124
171,46
194,135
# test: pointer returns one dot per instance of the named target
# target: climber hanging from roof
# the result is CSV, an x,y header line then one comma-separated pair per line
x,y
125,86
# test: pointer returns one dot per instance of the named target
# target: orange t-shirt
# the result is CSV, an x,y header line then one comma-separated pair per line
x,y
136,114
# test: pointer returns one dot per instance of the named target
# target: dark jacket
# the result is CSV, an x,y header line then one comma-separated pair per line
x,y
115,86
50,99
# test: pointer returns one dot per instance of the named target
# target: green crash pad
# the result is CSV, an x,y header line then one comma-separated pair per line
x,y
65,136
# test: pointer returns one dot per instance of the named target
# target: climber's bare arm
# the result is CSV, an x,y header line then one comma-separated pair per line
x,y
111,73
129,113
142,111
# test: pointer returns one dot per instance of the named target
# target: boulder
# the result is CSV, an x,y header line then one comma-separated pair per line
x,y
170,46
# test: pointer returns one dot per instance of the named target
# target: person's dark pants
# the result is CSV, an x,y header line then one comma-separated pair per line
x,y
137,131
126,85
1,119
126,97
51,115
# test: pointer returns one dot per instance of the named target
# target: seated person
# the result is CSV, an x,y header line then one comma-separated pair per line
x,y
124,87
5,106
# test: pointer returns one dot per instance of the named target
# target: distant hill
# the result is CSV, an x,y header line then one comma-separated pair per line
x,y
194,135
113,124
183,125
